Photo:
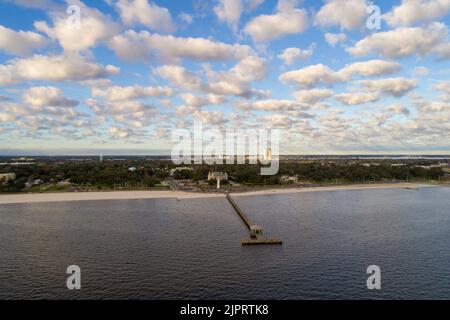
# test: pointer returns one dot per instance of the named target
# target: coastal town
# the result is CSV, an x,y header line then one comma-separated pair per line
x,y
112,173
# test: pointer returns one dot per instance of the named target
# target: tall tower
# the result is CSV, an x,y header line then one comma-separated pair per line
x,y
268,154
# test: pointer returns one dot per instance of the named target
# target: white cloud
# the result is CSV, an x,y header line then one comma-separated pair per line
x,y
356,98
225,87
443,86
398,109
287,20
118,107
133,45
277,121
235,81
411,12
253,4
321,74
117,93
334,38
146,13
310,76
45,109
442,51
434,106
394,86
98,83
47,97
53,68
118,132
200,101
404,42
185,110
205,72
370,68
312,96
6,117
132,113
210,117
20,43
94,28
229,11
291,55
271,105
346,14
250,68
179,76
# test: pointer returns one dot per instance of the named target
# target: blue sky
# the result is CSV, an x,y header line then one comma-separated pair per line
x,y
133,71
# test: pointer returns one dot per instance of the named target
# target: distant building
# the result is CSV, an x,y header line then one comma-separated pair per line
x,y
217,176
16,164
101,158
268,154
431,166
289,179
132,169
255,231
6,177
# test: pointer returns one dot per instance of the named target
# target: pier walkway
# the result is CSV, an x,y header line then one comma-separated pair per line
x,y
255,230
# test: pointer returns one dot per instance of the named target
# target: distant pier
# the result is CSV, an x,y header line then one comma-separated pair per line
x,y
255,230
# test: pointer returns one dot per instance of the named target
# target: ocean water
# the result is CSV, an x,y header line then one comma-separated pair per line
x,y
190,249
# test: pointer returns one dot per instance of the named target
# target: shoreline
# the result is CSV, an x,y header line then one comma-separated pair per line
x,y
142,195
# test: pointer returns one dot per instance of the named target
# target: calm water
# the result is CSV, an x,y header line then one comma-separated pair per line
x,y
169,249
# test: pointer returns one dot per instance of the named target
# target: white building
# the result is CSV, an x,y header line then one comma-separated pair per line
x,y
6,177
219,176
268,154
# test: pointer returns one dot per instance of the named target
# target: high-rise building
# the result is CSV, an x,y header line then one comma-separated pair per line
x,y
268,154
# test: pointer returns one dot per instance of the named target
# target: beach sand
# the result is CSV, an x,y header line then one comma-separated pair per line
x,y
134,195
412,186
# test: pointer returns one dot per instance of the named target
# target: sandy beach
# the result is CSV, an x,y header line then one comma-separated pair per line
x,y
412,186
135,195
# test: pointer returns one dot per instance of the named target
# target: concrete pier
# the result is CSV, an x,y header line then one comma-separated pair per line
x,y
255,230
241,213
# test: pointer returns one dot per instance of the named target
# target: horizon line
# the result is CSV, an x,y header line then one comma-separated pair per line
x,y
247,155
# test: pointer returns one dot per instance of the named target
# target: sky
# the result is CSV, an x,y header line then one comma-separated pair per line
x,y
334,76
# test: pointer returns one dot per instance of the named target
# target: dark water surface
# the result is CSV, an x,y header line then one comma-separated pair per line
x,y
190,249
